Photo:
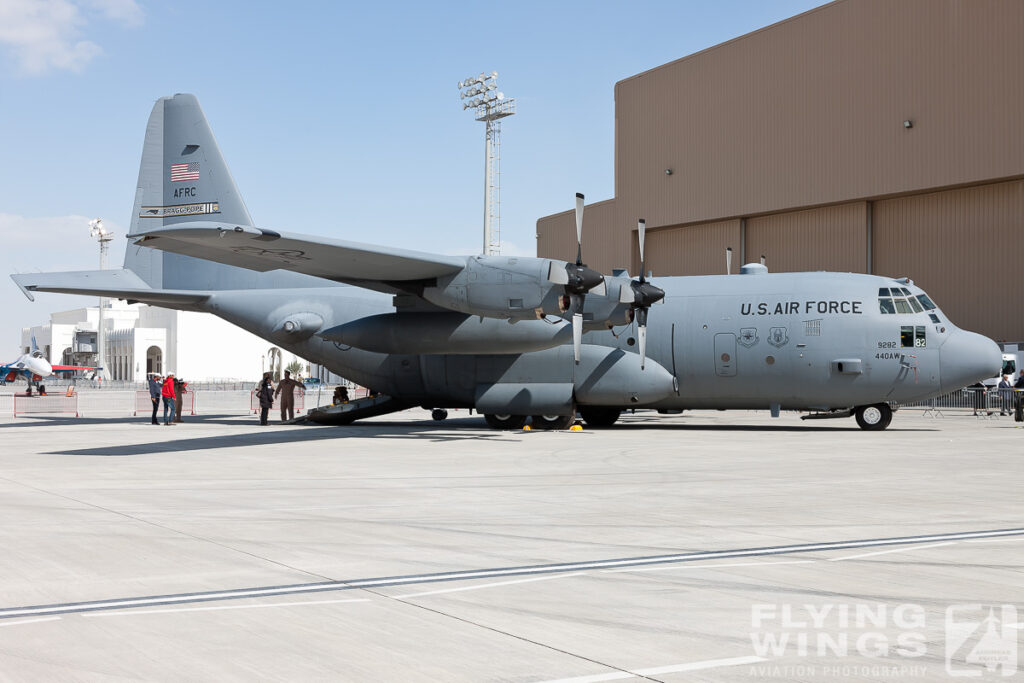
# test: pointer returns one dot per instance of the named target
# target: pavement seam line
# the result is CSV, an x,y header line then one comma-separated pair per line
x,y
406,601
462,575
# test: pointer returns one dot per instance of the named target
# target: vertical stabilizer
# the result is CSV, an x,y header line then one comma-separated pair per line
x,y
183,177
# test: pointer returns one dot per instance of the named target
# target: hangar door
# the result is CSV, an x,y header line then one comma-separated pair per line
x,y
830,238
690,250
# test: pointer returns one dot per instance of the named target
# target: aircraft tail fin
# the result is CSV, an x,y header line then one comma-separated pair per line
x,y
184,178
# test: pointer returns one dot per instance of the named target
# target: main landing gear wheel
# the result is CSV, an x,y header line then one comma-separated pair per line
x,y
600,417
875,417
553,421
504,421
438,414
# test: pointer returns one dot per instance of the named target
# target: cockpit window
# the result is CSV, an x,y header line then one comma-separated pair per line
x,y
900,300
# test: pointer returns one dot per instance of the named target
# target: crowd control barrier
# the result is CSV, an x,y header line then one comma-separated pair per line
x,y
300,402
58,404
144,405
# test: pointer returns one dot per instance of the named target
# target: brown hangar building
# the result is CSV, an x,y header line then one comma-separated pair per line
x,y
870,136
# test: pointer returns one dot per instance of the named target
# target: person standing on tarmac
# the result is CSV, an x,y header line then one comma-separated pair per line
x,y
265,394
179,397
1005,395
286,389
154,394
167,391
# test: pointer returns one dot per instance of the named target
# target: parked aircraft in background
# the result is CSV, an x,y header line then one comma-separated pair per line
x,y
515,337
34,367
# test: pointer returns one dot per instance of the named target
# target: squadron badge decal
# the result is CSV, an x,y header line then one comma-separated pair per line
x,y
748,337
778,337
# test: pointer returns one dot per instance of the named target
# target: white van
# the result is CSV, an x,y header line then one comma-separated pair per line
x,y
1011,365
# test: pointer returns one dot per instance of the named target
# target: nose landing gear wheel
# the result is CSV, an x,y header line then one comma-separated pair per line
x,y
553,421
438,414
504,421
875,417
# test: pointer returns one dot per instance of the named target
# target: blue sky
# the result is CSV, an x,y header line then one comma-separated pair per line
x,y
336,119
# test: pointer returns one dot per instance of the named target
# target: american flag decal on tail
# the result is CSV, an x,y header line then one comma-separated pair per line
x,y
183,172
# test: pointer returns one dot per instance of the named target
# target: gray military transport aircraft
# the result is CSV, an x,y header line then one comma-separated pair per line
x,y
514,337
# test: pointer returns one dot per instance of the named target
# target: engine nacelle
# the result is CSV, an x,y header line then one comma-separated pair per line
x,y
506,287
449,333
525,288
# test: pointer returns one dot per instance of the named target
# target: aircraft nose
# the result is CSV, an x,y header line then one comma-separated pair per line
x,y
966,358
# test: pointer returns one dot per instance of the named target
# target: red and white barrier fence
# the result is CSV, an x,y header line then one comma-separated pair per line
x,y
52,404
128,403
144,404
300,402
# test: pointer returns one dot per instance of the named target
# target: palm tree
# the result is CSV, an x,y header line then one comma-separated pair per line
x,y
274,356
295,367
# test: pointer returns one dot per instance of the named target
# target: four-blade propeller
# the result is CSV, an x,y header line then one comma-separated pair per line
x,y
644,295
579,281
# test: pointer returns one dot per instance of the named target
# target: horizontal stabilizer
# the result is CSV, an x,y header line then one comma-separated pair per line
x,y
263,250
116,284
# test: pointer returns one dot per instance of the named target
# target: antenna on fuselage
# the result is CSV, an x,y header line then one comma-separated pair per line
x,y
763,260
728,260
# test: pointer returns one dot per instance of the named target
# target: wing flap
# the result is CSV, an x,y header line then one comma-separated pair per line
x,y
263,250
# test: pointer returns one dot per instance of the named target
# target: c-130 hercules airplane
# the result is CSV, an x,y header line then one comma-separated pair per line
x,y
514,337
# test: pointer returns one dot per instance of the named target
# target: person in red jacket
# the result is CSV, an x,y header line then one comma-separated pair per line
x,y
168,394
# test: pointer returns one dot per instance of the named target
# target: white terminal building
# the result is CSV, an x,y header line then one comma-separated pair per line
x,y
197,347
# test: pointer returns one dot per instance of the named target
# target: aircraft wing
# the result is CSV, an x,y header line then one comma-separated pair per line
x,y
117,284
263,250
72,368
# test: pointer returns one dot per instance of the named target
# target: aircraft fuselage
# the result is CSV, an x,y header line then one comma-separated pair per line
x,y
815,341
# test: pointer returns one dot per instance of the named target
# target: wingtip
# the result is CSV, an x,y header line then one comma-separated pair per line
x,y
23,288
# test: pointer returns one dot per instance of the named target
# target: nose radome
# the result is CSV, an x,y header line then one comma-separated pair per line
x,y
966,358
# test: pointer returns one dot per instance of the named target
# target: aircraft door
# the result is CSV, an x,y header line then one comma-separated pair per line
x,y
725,355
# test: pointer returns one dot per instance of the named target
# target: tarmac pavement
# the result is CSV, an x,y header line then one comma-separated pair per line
x,y
705,546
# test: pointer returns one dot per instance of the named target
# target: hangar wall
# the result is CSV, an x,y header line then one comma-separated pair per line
x,y
790,142
693,249
829,238
965,247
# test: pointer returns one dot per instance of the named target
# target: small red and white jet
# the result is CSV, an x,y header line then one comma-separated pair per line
x,y
34,367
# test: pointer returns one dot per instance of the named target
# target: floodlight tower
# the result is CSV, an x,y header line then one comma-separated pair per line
x,y
480,93
103,236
